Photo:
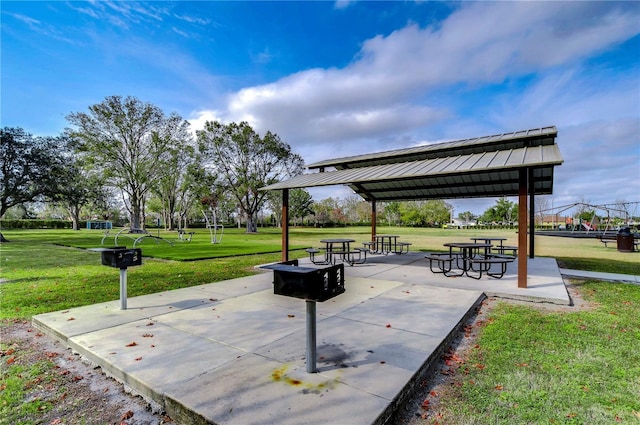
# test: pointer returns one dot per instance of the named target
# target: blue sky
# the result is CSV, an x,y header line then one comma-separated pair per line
x,y
348,77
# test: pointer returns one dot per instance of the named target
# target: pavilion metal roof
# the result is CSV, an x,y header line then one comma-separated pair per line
x,y
482,167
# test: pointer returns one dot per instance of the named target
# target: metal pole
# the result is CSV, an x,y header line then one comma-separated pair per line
x,y
123,289
285,225
522,229
311,336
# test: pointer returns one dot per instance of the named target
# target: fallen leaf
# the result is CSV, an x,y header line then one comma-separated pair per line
x,y
126,415
499,387
11,360
433,394
291,315
132,344
71,318
388,325
138,359
147,335
213,299
78,378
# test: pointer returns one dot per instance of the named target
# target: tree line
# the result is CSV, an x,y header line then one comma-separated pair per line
x,y
129,152
124,154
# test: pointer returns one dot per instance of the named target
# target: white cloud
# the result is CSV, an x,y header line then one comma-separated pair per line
x,y
199,118
379,93
406,86
343,4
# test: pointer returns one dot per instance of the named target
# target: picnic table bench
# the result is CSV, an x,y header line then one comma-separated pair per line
x,y
350,256
606,240
442,260
484,266
183,235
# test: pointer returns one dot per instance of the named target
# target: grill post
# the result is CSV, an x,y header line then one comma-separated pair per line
x,y
123,288
311,336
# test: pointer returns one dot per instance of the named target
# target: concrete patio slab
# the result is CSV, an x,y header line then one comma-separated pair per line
x,y
232,352
273,393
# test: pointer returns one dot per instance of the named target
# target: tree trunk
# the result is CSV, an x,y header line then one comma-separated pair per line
x,y
136,212
74,212
251,224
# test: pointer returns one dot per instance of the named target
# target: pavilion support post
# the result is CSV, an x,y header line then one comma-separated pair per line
x,y
374,220
532,216
285,224
522,229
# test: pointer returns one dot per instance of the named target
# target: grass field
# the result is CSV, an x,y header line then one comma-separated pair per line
x,y
527,365
49,270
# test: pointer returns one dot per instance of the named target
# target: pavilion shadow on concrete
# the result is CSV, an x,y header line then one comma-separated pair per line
x,y
511,164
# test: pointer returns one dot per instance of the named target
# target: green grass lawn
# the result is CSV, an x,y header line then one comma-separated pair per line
x,y
529,365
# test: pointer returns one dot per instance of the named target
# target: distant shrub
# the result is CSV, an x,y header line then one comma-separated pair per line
x,y
35,224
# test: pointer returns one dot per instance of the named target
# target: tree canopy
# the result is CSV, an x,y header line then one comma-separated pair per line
x,y
245,162
25,165
130,143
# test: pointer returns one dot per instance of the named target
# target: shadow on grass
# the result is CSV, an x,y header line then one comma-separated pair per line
x,y
598,265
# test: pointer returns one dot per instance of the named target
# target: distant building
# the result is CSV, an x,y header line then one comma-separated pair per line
x,y
460,224
553,220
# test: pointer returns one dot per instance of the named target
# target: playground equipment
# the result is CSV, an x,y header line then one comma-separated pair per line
x,y
596,224
136,235
211,221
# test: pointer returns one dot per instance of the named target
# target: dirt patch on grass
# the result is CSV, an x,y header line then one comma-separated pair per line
x,y
67,390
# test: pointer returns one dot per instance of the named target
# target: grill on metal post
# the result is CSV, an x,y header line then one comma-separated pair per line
x,y
120,257
313,285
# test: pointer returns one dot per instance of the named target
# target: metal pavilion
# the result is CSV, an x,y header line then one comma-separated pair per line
x,y
511,164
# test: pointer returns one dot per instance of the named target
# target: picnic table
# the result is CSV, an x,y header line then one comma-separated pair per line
x,y
472,257
499,248
387,244
339,249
